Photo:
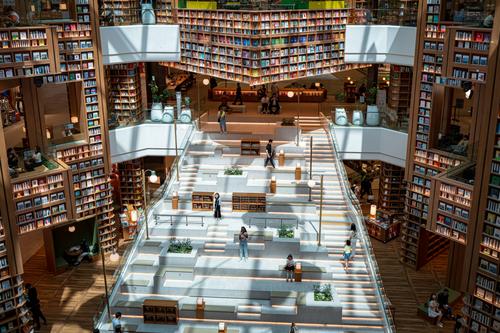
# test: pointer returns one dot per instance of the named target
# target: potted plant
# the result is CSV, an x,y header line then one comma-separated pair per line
x,y
285,231
158,97
233,171
340,97
180,246
323,293
372,114
288,122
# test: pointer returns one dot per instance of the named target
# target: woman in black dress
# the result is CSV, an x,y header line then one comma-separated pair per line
x,y
217,214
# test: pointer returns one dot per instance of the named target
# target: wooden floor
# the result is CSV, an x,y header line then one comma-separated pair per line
x,y
71,299
407,288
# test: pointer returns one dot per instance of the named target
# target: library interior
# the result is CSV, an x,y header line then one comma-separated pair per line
x,y
253,166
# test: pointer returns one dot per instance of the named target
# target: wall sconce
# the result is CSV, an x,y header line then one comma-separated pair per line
x,y
47,133
317,84
74,120
206,82
348,78
290,94
71,228
153,178
351,82
63,6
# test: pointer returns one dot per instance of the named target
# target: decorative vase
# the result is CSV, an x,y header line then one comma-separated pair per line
x,y
357,118
168,114
185,116
156,111
340,117
147,12
372,115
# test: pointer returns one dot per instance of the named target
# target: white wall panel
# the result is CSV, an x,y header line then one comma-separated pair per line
x,y
140,43
386,44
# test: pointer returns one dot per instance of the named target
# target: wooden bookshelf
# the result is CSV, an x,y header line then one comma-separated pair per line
x,y
124,93
28,52
202,200
258,47
249,202
391,189
131,189
119,12
41,199
250,147
399,93
165,10
157,311
466,55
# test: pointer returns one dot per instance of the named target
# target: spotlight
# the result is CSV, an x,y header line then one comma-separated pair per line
x,y
467,87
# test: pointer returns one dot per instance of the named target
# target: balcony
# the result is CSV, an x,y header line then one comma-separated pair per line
x,y
140,43
383,44
451,195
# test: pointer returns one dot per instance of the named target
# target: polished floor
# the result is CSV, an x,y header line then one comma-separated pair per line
x,y
71,299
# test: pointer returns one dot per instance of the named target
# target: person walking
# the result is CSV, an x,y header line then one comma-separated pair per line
x,y
117,323
290,268
221,118
34,306
270,153
294,329
347,254
239,96
264,102
354,238
243,238
217,213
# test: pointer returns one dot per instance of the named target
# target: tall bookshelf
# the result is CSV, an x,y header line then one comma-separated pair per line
x,y
165,11
391,188
418,244
258,47
124,93
131,181
399,93
119,12
87,159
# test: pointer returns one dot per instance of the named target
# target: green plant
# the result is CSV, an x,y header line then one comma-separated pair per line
x,y
285,231
156,95
180,246
288,122
340,97
323,292
371,96
233,171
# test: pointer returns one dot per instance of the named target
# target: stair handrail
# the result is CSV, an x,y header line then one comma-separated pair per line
x,y
357,217
128,255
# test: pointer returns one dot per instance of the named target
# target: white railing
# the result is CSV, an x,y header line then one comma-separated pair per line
x,y
356,214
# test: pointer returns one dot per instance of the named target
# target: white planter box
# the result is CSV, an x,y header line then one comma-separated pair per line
x,y
232,183
179,259
285,133
312,311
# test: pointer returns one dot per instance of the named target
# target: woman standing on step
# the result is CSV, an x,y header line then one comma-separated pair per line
x,y
217,214
290,268
243,237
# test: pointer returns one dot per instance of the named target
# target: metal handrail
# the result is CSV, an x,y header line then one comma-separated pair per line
x,y
182,218
281,219
128,255
357,217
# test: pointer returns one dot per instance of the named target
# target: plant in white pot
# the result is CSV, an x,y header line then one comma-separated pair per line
x,y
158,97
372,114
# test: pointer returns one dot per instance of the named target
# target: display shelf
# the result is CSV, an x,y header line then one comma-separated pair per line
x,y
467,54
250,147
259,47
41,199
28,52
124,93
131,183
391,188
160,312
120,12
399,94
202,200
385,227
165,10
249,202
251,95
